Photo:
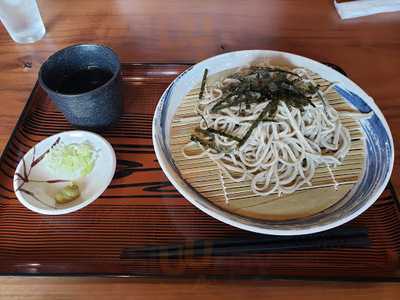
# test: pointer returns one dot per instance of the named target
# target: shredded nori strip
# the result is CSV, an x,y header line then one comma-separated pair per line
x,y
203,83
310,102
209,131
267,119
201,115
238,101
284,71
260,82
258,85
269,109
206,144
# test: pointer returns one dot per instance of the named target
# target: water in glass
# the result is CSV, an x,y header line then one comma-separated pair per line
x,y
22,20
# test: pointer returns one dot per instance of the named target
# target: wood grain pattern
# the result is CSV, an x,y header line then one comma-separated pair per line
x,y
171,31
45,288
141,208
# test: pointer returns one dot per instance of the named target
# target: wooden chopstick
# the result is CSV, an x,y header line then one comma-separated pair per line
x,y
353,237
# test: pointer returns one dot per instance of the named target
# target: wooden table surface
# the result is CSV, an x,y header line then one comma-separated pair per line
x,y
187,31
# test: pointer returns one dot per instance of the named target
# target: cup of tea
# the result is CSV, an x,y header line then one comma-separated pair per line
x,y
84,83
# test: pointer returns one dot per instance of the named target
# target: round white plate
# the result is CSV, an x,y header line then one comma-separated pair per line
x,y
379,144
91,186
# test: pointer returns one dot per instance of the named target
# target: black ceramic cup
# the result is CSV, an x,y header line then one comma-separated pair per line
x,y
84,83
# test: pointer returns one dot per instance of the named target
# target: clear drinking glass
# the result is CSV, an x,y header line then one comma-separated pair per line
x,y
22,20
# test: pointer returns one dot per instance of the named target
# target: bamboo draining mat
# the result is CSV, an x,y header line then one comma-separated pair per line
x,y
204,175
141,208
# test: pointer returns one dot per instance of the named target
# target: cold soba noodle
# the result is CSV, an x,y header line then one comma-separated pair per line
x,y
269,125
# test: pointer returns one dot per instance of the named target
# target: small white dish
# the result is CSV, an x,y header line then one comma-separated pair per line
x,y
39,196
